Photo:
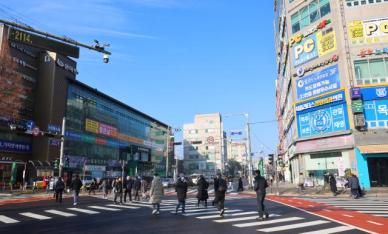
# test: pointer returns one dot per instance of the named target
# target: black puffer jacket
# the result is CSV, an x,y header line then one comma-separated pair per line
x,y
260,185
203,185
181,189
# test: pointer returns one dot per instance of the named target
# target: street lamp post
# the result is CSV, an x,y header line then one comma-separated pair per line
x,y
62,146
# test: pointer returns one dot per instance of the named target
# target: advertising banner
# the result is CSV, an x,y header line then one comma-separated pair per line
x,y
368,31
326,120
318,83
333,98
15,147
374,93
91,126
326,43
376,113
305,51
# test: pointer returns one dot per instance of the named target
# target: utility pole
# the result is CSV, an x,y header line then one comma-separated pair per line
x,y
168,150
62,146
248,129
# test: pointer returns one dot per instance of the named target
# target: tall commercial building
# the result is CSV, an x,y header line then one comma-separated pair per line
x,y
204,144
38,89
332,88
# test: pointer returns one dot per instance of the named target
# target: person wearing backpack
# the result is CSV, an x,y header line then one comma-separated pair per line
x,y
59,187
220,187
260,185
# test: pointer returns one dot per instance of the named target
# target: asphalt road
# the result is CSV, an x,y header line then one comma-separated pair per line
x,y
49,217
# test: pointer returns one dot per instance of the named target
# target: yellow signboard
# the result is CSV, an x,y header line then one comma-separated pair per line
x,y
368,31
91,126
326,43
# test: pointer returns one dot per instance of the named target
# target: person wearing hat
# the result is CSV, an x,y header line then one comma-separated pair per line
x,y
220,187
181,192
260,185
156,193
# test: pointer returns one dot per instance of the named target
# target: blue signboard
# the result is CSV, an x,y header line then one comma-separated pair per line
x,y
318,83
55,129
326,120
17,147
374,93
306,50
376,113
334,98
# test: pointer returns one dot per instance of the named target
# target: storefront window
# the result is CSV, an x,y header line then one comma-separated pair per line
x,y
371,71
377,68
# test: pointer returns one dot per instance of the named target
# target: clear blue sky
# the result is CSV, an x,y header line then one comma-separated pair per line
x,y
172,59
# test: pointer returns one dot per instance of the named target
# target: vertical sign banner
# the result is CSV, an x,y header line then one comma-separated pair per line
x,y
305,51
318,83
92,126
326,43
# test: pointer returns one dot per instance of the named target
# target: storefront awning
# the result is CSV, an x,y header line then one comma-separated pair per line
x,y
373,149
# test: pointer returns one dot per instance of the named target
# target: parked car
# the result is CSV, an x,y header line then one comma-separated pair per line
x,y
167,182
86,181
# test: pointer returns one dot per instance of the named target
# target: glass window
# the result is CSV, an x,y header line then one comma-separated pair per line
x,y
371,1
305,22
361,69
363,2
377,68
313,6
304,12
349,4
314,16
323,2
378,0
325,10
295,27
355,3
295,18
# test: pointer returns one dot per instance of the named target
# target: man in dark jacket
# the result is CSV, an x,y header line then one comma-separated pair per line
x,y
354,185
202,194
260,185
333,184
128,188
220,187
137,187
59,187
76,186
118,190
181,192
240,185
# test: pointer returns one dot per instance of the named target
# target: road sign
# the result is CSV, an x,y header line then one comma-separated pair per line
x,y
35,131
210,140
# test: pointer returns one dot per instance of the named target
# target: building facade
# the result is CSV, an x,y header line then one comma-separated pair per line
x,y
204,143
331,88
103,136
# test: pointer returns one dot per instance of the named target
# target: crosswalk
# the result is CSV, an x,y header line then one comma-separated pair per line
x,y
238,218
372,206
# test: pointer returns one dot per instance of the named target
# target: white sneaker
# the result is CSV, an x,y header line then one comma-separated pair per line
x,y
154,212
157,212
75,204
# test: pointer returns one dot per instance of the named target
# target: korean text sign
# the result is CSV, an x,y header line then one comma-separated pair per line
x,y
318,83
327,114
376,113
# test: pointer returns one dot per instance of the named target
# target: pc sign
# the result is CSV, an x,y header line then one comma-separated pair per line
x,y
306,50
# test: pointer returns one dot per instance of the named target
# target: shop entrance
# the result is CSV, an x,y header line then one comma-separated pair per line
x,y
378,175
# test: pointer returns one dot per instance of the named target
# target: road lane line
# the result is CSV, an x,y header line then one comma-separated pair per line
x,y
61,213
6,219
349,216
265,222
35,216
84,211
331,230
293,226
380,224
123,206
104,208
326,210
227,215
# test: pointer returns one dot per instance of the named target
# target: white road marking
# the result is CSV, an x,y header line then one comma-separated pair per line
x,y
61,213
265,222
123,206
104,208
35,216
210,212
373,212
6,219
293,226
141,205
379,224
349,216
236,219
326,210
227,215
84,211
331,230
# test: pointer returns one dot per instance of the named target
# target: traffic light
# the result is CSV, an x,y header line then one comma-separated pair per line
x,y
56,164
270,158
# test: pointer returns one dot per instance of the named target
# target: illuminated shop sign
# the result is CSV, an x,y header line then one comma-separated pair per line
x,y
306,50
333,98
376,113
318,83
15,147
368,31
374,93
100,128
301,71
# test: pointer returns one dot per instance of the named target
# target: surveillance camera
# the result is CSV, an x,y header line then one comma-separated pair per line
x,y
106,58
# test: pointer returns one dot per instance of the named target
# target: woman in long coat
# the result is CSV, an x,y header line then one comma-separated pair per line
x,y
333,184
202,194
156,193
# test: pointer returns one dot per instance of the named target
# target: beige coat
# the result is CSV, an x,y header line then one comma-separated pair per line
x,y
157,191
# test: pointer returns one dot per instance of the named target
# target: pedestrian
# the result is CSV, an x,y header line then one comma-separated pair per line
x,y
202,194
118,191
128,189
240,185
215,182
333,184
76,186
137,187
354,186
181,187
156,193
59,187
301,181
260,185
220,188
105,188
93,186
326,182
144,189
